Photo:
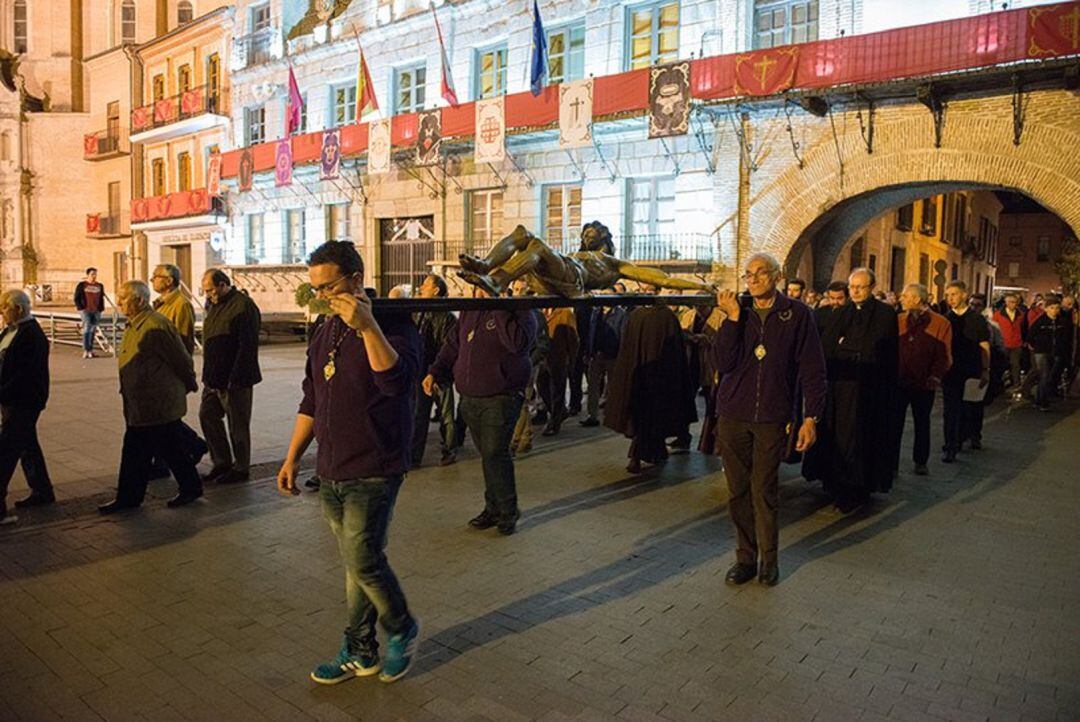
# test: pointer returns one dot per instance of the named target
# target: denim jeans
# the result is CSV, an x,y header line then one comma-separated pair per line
x,y
1050,369
491,420
359,513
90,321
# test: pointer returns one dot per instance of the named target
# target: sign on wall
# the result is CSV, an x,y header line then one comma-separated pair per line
x,y
490,130
575,113
429,137
669,99
379,146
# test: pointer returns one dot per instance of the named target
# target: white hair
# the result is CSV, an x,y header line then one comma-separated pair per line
x,y
770,261
18,298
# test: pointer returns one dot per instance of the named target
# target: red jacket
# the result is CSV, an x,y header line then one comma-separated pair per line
x,y
925,349
1013,332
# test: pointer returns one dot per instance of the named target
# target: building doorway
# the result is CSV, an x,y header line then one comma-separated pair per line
x,y
179,256
406,248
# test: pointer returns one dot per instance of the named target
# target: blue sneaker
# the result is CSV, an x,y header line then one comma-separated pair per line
x,y
400,649
346,666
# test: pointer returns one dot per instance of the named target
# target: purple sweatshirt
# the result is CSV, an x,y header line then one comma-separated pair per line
x,y
363,418
489,354
764,391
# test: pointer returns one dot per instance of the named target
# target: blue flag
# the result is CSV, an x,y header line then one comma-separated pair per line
x,y
539,55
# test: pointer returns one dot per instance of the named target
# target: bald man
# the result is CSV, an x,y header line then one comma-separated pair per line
x,y
24,390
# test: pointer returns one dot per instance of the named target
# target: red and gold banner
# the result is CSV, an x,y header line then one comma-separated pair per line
x,y
183,204
89,145
140,119
140,210
191,102
165,110
93,222
1054,30
766,72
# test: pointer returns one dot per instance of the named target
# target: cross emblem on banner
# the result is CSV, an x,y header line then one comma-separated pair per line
x,y
763,66
576,105
489,130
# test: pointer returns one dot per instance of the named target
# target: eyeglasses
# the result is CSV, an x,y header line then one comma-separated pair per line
x,y
323,287
753,276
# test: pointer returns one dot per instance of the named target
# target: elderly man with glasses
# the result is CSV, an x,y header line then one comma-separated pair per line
x,y
769,360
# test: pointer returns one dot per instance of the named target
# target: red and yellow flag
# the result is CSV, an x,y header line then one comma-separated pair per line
x,y
766,72
1054,30
365,91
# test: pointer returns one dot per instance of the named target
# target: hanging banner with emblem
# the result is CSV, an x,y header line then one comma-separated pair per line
x,y
766,72
245,170
490,130
330,157
429,137
669,99
575,113
379,146
1054,30
283,163
213,173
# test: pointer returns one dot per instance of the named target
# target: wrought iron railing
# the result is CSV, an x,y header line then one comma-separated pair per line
x,y
100,225
663,248
104,142
174,108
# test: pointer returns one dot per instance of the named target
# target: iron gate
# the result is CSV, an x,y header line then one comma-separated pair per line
x,y
406,246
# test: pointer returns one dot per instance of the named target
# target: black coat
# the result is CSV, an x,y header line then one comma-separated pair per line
x,y
856,436
650,394
231,343
24,372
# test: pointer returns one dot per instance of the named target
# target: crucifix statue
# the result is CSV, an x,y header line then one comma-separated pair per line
x,y
592,267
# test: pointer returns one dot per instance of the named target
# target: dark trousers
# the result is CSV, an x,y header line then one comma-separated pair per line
x,y
491,420
1016,358
141,445
600,368
578,373
1050,369
551,384
232,450
19,445
921,403
752,454
443,400
359,512
963,419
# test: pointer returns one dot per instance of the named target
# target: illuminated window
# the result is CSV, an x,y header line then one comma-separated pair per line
x,y
562,216
566,54
485,218
183,168
653,35
785,22
409,89
157,177
490,78
343,105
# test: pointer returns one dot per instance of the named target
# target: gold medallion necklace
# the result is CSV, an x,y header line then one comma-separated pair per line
x,y
330,368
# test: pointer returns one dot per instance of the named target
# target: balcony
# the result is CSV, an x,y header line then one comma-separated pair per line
x,y
258,48
104,144
192,111
109,224
178,210
667,249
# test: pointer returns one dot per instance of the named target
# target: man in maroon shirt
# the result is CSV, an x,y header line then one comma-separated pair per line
x,y
925,357
359,397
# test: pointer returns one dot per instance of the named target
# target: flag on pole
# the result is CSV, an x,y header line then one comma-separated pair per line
x,y
294,107
448,91
538,72
365,90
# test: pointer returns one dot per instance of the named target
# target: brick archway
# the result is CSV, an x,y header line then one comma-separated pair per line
x,y
811,207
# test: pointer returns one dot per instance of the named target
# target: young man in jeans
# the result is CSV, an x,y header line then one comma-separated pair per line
x,y
359,395
90,303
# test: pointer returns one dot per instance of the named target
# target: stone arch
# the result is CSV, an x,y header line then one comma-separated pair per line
x,y
801,205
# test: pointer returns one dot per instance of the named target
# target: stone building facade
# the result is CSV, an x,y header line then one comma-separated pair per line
x,y
1031,245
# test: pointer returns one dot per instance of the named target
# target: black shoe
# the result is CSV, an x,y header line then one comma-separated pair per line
x,y
36,499
590,421
948,457
741,573
483,520
976,444
508,525
216,473
234,477
183,499
847,505
550,430
921,470
447,459
114,506
769,575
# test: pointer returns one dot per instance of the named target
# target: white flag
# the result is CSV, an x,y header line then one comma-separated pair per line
x,y
490,131
575,113
379,146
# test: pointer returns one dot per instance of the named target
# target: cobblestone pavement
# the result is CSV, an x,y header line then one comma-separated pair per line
x,y
954,597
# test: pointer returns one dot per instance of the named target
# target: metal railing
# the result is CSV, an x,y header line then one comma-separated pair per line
x,y
174,108
66,329
103,142
681,248
107,225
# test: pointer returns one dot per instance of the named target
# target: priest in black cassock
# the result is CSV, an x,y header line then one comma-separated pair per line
x,y
853,454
